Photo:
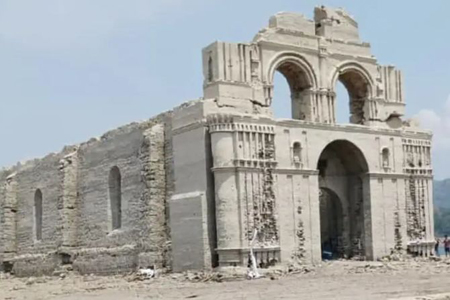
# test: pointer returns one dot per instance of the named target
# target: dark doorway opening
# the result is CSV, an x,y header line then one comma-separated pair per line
x,y
342,175
331,224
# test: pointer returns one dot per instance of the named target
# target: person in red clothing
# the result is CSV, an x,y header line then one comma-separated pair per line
x,y
447,246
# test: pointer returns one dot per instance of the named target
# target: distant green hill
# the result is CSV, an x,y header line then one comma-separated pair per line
x,y
441,191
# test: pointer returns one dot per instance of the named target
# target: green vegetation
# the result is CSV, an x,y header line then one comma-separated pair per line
x,y
442,221
441,199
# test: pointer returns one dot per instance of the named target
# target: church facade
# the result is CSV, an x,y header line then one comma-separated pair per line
x,y
201,185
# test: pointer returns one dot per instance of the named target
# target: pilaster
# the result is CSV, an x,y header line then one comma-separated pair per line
x,y
69,170
10,215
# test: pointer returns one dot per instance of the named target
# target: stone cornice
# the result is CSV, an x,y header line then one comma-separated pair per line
x,y
351,128
228,82
247,249
353,43
234,169
240,127
359,58
277,45
397,176
189,127
304,172
297,33
309,172
284,171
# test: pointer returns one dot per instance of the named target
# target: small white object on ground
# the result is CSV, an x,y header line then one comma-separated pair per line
x,y
149,273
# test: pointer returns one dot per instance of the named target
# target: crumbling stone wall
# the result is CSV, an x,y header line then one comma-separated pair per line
x,y
69,199
299,254
153,232
33,256
264,207
7,220
8,230
397,229
138,150
169,187
76,226
417,167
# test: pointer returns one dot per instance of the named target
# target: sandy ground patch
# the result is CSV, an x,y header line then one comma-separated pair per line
x,y
333,280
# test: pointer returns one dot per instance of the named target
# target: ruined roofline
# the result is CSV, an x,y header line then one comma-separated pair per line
x,y
297,24
343,13
339,10
69,149
328,23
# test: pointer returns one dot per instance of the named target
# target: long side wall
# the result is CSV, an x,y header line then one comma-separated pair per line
x,y
76,210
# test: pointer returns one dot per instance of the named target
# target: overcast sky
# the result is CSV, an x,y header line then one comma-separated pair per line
x,y
73,69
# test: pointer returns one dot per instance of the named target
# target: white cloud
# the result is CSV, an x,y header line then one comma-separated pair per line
x,y
439,123
68,24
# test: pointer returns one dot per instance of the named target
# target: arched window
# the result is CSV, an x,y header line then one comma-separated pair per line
x,y
291,80
297,153
352,91
210,69
115,197
38,214
342,104
385,157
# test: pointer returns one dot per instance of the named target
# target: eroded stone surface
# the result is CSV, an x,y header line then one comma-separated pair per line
x,y
197,181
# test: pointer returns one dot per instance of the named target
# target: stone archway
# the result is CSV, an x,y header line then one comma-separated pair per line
x,y
301,81
357,82
342,168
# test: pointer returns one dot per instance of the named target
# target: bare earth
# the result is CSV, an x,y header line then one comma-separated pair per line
x,y
334,280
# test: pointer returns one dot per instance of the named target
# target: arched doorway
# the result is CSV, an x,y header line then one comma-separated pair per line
x,y
331,224
357,88
342,169
299,82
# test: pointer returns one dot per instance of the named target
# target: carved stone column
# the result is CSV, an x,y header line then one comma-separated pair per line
x,y
226,194
315,106
332,106
243,166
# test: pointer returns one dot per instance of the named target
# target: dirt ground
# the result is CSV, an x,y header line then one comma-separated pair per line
x,y
331,280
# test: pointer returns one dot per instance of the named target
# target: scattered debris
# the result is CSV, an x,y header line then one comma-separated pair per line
x,y
204,276
149,272
31,281
143,274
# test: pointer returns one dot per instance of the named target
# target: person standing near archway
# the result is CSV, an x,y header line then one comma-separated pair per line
x,y
446,246
436,247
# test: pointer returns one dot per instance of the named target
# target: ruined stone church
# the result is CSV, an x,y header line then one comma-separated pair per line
x,y
192,187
